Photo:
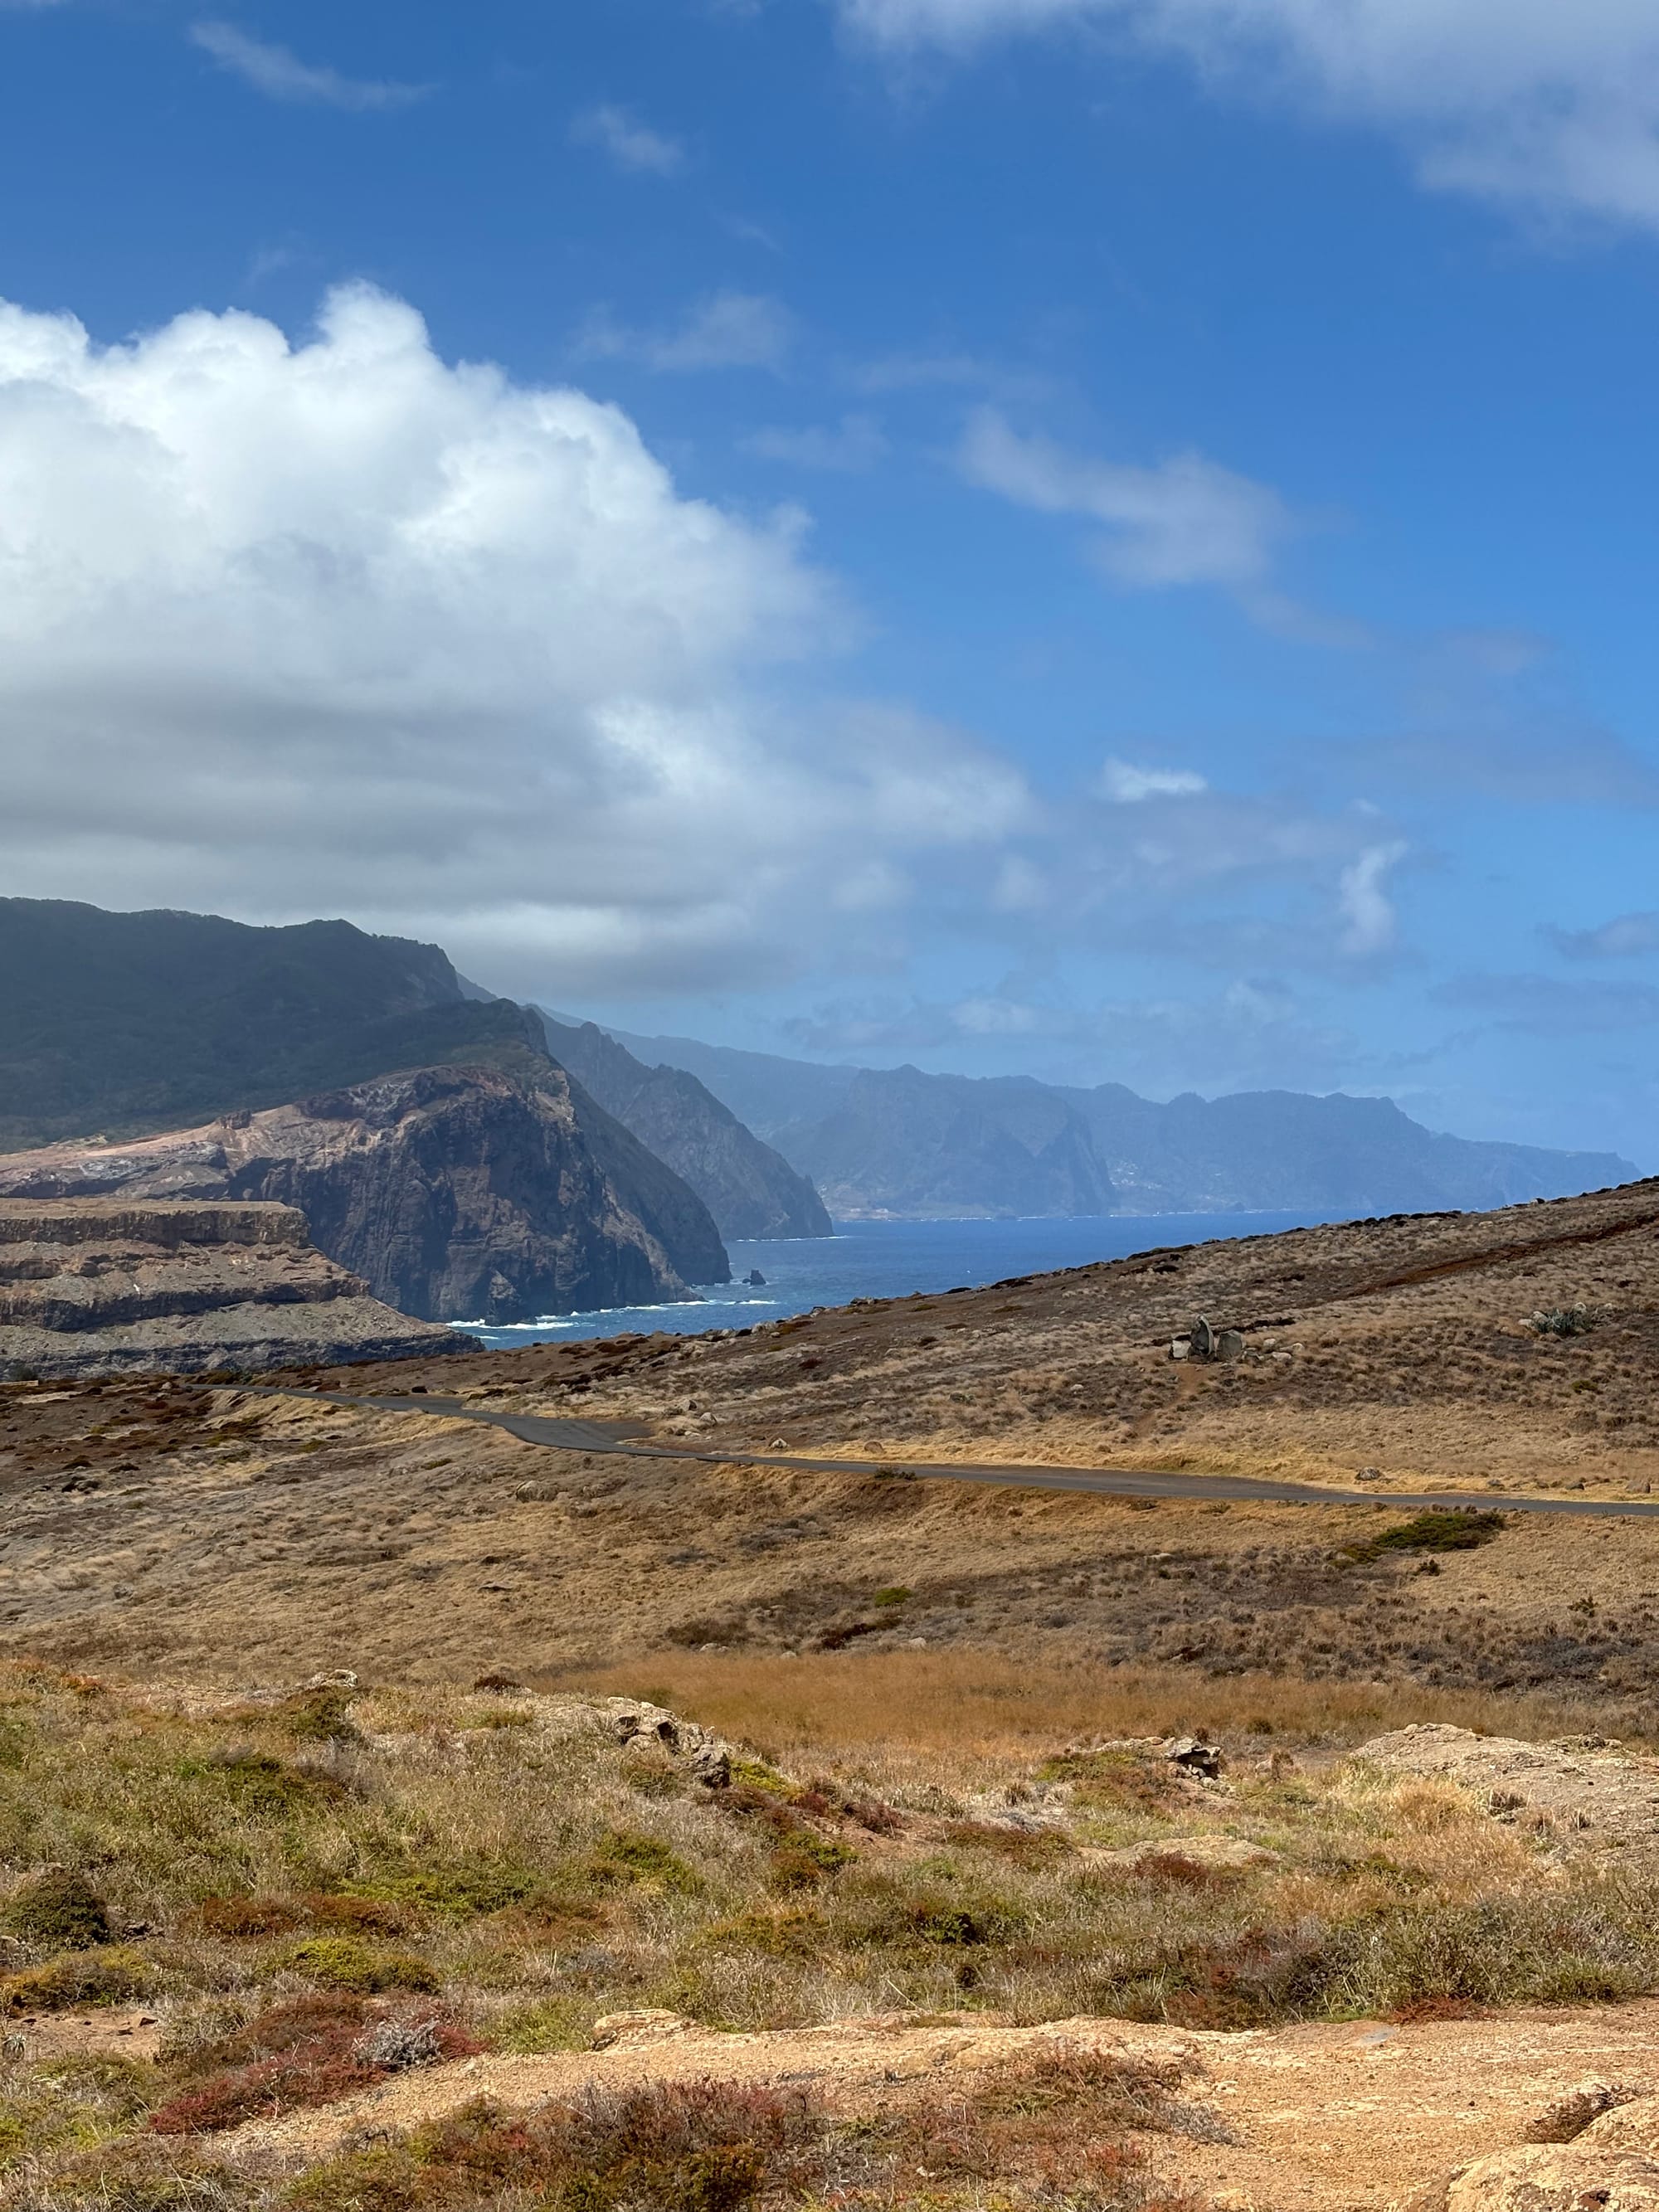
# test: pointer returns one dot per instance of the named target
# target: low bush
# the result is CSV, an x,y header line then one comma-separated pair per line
x,y
59,1910
448,1893
306,2053
261,1786
622,1857
116,1974
1565,1320
1051,2129
1464,1529
342,1962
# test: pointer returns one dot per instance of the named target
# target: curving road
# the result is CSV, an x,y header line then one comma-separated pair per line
x,y
622,1437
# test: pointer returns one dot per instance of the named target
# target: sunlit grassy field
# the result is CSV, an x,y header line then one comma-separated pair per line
x,y
306,1891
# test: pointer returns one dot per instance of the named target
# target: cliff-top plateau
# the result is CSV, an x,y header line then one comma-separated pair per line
x,y
92,1286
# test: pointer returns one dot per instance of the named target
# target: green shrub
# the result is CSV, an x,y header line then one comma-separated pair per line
x,y
59,1910
341,1962
115,1975
1465,1528
453,1892
750,1773
804,1856
1565,1320
387,2179
260,1786
622,1857
535,2031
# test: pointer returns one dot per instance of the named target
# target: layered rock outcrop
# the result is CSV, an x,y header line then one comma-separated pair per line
x,y
458,1194
96,1287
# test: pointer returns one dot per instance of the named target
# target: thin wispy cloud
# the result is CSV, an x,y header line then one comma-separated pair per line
x,y
1123,784
1626,937
632,145
1368,913
281,74
1186,521
1553,107
856,442
727,329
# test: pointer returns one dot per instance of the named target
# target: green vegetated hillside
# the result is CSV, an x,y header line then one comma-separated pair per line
x,y
124,1023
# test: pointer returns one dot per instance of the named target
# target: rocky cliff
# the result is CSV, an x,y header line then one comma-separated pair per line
x,y
99,1287
456,1193
750,1190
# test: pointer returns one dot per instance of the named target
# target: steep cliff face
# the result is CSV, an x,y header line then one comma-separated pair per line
x,y
100,1286
750,1190
456,1193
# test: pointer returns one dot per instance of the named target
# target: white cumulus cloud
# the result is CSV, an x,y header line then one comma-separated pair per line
x,y
336,626
1552,103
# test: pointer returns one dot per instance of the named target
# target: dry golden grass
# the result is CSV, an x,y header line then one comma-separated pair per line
x,y
959,1712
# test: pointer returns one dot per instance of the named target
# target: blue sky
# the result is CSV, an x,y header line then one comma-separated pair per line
x,y
1109,539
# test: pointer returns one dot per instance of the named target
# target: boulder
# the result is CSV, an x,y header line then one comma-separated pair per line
x,y
1579,2177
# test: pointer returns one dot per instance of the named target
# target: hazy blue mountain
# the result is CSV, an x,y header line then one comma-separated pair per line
x,y
751,1189
897,1141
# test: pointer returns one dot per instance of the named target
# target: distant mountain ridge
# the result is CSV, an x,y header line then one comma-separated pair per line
x,y
901,1143
751,1189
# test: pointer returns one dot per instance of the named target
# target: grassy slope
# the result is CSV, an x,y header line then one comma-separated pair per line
x,y
491,1862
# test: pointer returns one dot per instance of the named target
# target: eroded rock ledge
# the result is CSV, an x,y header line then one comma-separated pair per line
x,y
93,1286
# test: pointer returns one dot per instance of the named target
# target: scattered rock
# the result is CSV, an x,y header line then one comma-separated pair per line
x,y
1193,1756
1593,1792
650,1730
633,2028
1568,2116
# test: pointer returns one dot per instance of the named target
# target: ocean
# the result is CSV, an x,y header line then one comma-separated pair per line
x,y
890,1260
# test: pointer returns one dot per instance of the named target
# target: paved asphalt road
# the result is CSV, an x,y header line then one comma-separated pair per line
x,y
622,1437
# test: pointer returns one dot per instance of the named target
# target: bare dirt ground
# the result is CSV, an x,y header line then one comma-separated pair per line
x,y
1314,2118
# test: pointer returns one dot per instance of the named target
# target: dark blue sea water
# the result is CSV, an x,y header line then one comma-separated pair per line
x,y
889,1259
